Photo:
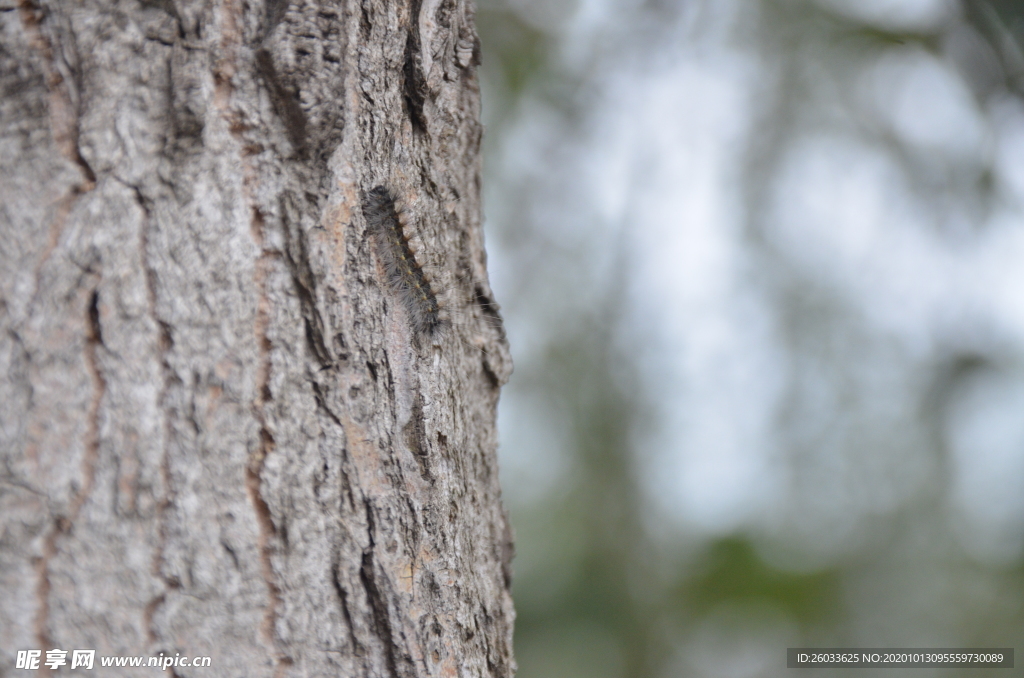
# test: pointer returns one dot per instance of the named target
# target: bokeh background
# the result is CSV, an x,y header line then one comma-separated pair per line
x,y
762,268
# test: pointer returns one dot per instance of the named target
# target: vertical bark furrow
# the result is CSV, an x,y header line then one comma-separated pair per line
x,y
62,117
378,601
163,346
42,587
263,396
93,343
64,106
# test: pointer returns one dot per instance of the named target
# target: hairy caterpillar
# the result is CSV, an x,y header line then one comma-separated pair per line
x,y
417,289
409,282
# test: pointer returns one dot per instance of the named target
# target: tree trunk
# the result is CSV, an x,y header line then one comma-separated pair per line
x,y
221,433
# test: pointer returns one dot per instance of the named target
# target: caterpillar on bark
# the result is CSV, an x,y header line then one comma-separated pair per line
x,y
431,304
428,300
406,278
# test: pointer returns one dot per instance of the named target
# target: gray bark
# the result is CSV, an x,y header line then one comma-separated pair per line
x,y
219,434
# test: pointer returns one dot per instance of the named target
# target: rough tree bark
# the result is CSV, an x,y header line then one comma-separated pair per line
x,y
219,434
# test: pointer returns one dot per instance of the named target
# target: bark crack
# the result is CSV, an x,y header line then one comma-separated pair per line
x,y
379,607
94,339
342,594
62,524
42,567
378,599
267,530
64,124
414,87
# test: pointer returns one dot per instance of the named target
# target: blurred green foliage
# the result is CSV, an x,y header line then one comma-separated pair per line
x,y
731,571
